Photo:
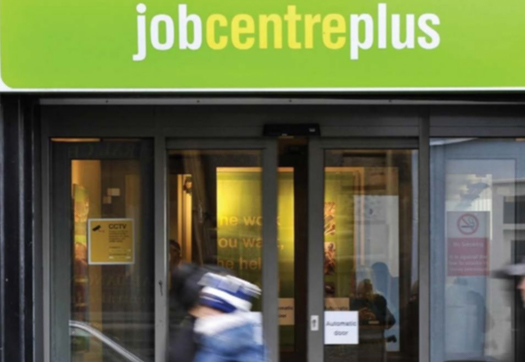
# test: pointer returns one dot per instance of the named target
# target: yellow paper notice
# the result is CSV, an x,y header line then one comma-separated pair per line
x,y
111,241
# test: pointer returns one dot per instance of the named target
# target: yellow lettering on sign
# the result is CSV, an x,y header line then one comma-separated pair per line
x,y
334,24
264,21
213,22
242,26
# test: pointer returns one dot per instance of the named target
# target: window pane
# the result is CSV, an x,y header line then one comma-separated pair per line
x,y
112,273
215,215
371,253
476,229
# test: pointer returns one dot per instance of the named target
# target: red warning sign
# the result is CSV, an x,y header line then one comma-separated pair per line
x,y
467,246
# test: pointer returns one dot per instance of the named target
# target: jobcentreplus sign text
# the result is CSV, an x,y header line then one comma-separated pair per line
x,y
244,32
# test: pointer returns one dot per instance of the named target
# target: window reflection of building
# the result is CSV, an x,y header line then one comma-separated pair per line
x,y
473,313
375,238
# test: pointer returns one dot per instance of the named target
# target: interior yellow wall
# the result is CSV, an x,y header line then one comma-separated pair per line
x,y
87,173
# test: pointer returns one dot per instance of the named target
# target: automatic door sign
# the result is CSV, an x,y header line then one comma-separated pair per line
x,y
341,328
286,311
111,241
467,243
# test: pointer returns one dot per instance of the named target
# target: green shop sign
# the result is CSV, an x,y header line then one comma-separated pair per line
x,y
270,45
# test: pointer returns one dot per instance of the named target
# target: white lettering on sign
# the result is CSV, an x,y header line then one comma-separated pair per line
x,y
341,328
407,31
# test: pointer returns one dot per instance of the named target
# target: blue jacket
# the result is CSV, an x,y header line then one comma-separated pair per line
x,y
232,337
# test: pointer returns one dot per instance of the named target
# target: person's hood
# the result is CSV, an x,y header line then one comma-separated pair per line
x,y
227,293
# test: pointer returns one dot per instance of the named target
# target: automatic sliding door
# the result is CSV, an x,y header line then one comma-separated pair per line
x,y
218,199
368,237
216,211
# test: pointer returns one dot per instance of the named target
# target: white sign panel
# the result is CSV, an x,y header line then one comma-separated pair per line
x,y
468,243
341,328
468,224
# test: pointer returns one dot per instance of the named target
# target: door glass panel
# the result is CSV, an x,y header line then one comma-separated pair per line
x,y
476,229
215,215
371,255
112,268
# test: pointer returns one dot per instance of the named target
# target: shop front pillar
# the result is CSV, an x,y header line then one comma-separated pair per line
x,y
17,228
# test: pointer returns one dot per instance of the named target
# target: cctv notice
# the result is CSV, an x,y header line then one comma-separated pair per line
x,y
111,241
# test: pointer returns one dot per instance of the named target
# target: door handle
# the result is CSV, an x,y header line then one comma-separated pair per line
x,y
314,323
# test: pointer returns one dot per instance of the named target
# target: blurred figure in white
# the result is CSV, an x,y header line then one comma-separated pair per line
x,y
184,300
227,329
515,270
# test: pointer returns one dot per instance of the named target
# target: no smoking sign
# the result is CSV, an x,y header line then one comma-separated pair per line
x,y
468,243
468,224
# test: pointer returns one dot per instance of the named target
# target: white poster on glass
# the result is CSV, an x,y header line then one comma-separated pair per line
x,y
341,328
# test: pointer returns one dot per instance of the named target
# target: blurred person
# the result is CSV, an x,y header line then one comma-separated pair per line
x,y
411,324
468,320
374,319
372,306
175,256
515,271
184,298
329,258
176,313
227,332
174,259
516,274
388,286
184,295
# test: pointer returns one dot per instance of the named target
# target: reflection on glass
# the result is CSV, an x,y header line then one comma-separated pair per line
x,y
476,229
216,210
370,251
112,289
215,215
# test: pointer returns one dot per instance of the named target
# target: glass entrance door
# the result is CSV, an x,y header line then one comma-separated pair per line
x,y
363,252
102,251
345,242
221,196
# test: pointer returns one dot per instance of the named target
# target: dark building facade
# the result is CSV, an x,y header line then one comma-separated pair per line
x,y
393,210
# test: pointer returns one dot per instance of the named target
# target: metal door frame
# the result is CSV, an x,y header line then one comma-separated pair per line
x,y
270,255
316,307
